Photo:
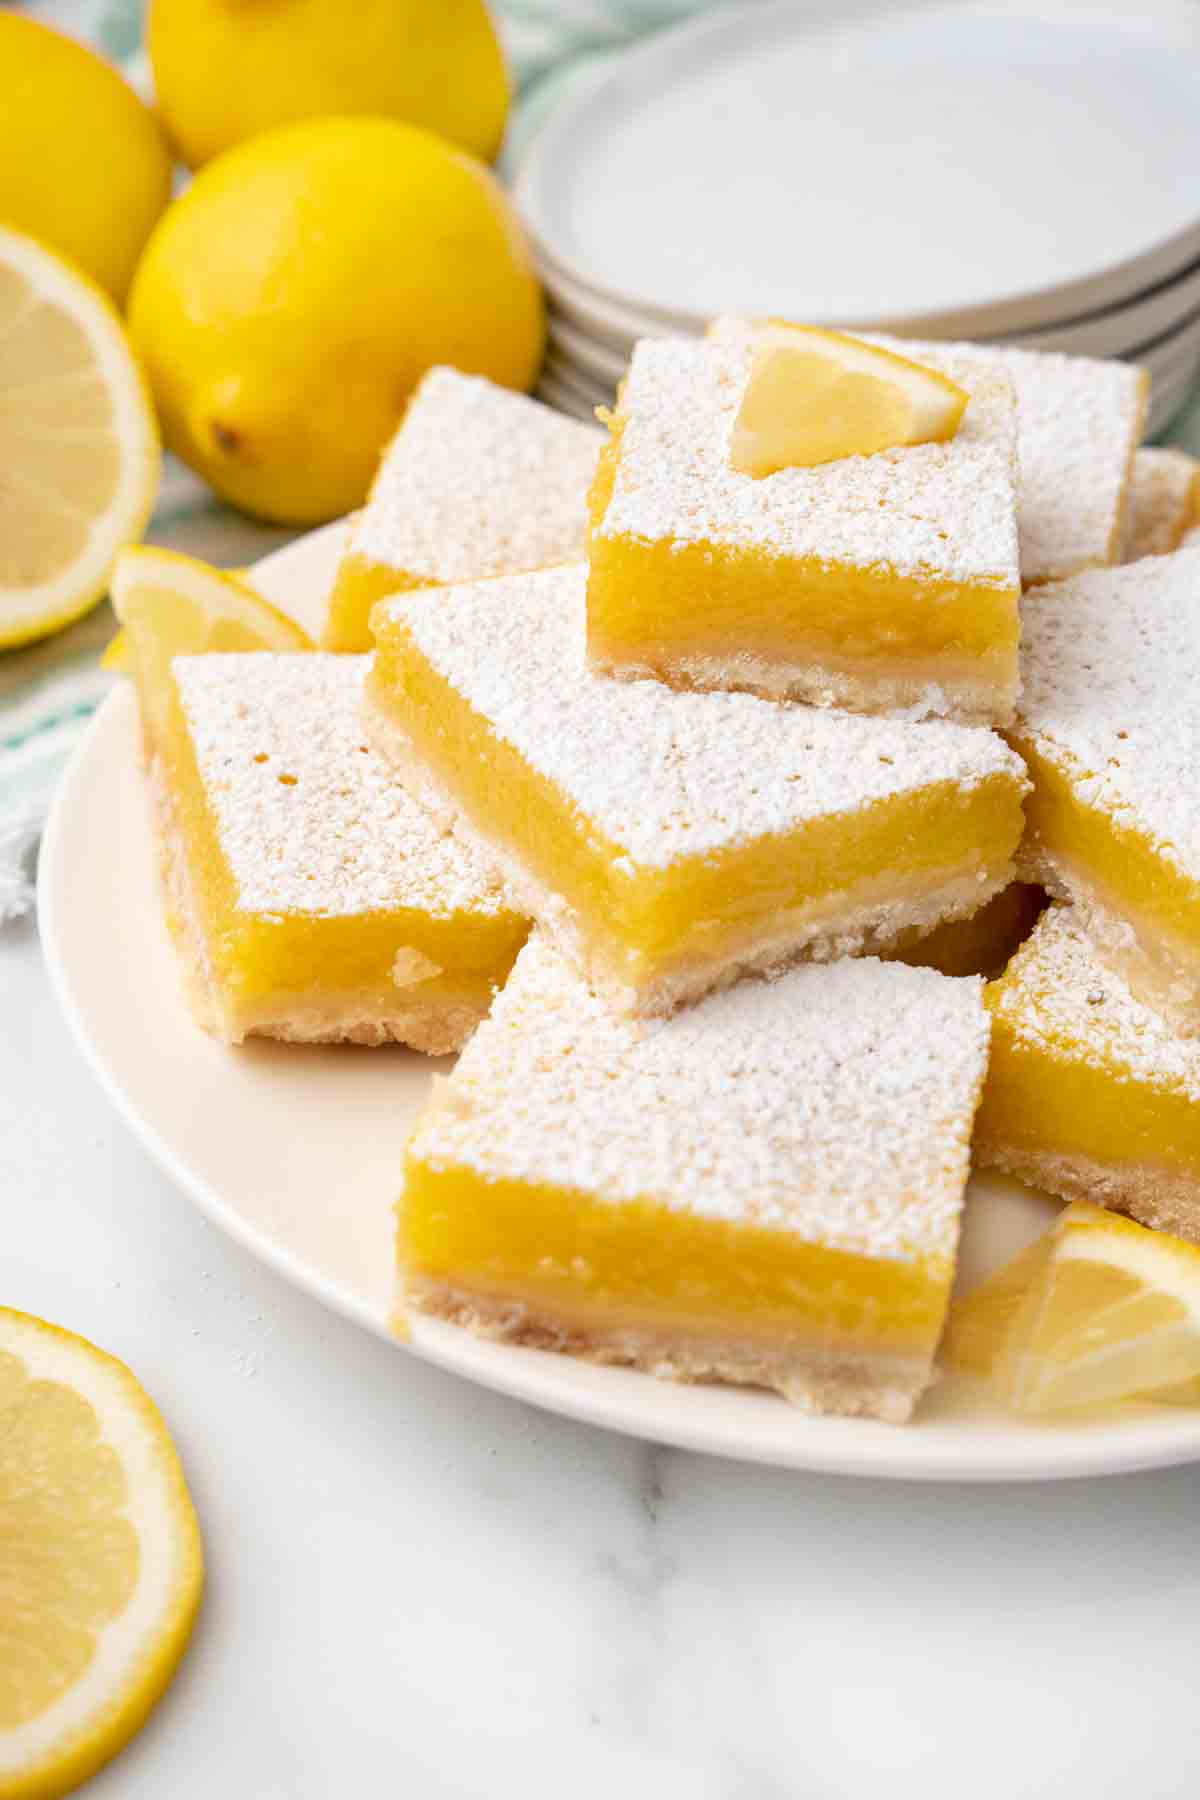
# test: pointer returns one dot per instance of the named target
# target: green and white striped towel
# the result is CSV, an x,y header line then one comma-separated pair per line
x,y
48,692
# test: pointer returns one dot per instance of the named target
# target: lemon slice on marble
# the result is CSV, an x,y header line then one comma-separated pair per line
x,y
101,1566
814,396
1113,1311
174,605
79,448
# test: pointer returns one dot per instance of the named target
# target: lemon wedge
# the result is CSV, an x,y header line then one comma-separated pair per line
x,y
1181,1393
978,1322
78,443
1112,1312
101,1567
174,605
814,396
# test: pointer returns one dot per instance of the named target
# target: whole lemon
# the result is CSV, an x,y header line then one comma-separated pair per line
x,y
227,69
84,166
291,298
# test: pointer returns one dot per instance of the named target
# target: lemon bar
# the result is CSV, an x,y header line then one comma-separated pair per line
x,y
1079,421
765,1189
311,898
1089,1093
879,583
1164,500
671,841
1109,727
477,481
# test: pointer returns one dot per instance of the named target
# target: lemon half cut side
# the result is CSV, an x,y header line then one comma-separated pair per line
x,y
79,447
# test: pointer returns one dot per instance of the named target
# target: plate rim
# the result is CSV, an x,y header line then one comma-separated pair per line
x,y
1008,315
1149,1439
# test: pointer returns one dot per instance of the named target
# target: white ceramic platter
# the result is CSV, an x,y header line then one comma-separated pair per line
x,y
1120,330
983,169
296,1154
569,400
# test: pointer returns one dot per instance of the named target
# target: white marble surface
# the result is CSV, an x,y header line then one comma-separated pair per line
x,y
420,1588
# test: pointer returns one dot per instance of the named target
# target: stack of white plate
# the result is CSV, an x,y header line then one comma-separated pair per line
x,y
1019,173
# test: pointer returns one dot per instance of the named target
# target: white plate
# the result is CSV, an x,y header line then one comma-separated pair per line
x,y
591,356
988,169
1119,330
577,387
563,399
296,1153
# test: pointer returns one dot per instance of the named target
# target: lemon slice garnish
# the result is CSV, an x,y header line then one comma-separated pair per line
x,y
173,605
101,1567
1100,1309
79,449
815,396
979,1321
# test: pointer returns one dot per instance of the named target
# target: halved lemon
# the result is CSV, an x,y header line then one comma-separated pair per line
x,y
79,446
174,605
814,396
1112,1311
101,1566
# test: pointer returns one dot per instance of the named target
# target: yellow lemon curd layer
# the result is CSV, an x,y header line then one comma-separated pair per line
x,y
653,603
1079,1069
1120,864
267,963
361,581
695,908
639,1262
1060,1101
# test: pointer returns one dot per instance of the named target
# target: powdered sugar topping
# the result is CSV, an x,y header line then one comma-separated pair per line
x,y
311,820
1109,663
938,512
1162,497
1078,420
663,774
835,1102
1056,996
478,481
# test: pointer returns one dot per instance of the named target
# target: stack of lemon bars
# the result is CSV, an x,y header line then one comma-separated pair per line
x,y
692,778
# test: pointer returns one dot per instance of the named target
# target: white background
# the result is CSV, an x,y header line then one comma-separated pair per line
x,y
422,1589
